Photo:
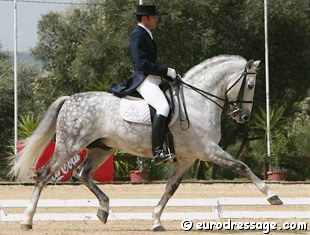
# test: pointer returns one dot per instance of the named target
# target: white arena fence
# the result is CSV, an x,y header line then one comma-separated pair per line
x,y
217,212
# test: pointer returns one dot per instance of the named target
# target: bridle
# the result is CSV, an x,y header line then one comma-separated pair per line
x,y
239,101
236,103
234,106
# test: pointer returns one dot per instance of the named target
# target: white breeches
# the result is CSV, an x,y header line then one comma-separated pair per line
x,y
153,95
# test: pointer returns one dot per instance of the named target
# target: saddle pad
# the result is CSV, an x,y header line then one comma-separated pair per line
x,y
135,110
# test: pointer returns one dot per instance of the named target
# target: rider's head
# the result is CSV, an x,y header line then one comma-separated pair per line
x,y
147,16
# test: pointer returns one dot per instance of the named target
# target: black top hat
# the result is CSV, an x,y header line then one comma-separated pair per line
x,y
146,10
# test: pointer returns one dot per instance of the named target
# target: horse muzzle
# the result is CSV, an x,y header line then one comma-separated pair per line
x,y
240,115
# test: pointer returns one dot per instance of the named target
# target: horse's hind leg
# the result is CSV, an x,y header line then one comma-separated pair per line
x,y
95,157
221,158
178,172
44,174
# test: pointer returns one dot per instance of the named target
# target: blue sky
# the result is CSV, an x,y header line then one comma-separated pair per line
x,y
28,15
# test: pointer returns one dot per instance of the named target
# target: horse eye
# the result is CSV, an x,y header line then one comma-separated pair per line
x,y
251,86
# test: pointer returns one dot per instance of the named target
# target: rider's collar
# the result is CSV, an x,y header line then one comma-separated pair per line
x,y
147,30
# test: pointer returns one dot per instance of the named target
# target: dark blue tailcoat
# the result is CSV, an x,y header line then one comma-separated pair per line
x,y
144,61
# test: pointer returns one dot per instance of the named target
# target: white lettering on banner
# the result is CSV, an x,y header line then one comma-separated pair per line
x,y
57,176
76,160
65,169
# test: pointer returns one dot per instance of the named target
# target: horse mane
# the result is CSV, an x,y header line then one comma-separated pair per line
x,y
210,63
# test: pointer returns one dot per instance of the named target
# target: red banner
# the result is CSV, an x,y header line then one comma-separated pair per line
x,y
104,173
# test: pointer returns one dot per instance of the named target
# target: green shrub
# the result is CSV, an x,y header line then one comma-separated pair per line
x,y
27,125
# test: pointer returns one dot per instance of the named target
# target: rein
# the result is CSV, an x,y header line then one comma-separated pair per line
x,y
236,104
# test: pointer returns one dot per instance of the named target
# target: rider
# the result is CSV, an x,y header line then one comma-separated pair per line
x,y
146,77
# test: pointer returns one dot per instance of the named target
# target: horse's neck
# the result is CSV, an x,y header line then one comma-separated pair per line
x,y
204,117
211,77
202,104
202,110
213,81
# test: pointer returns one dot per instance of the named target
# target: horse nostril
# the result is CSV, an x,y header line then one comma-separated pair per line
x,y
245,118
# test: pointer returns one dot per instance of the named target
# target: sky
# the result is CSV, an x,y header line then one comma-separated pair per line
x,y
28,15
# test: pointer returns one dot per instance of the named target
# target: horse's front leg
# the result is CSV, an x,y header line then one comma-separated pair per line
x,y
179,170
220,157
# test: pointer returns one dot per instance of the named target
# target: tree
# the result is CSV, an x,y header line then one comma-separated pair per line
x,y
6,101
26,75
60,36
288,34
90,44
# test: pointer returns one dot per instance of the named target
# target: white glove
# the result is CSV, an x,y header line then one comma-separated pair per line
x,y
171,73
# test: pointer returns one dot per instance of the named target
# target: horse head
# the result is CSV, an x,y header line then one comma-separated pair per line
x,y
240,93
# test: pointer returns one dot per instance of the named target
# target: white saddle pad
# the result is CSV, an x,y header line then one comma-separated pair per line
x,y
136,110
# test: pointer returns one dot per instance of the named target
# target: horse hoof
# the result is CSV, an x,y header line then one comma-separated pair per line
x,y
103,215
159,229
275,200
26,227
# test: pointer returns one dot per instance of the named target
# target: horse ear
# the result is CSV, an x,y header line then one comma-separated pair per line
x,y
249,64
256,63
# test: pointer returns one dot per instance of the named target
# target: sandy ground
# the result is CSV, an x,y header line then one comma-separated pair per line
x,y
140,191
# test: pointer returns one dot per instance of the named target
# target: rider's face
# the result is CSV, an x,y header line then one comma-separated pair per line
x,y
151,21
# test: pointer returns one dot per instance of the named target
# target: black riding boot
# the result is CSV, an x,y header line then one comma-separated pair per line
x,y
158,131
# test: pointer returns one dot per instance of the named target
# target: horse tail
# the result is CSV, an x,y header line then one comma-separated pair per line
x,y
33,147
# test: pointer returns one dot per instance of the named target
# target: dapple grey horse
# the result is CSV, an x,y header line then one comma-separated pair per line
x,y
90,120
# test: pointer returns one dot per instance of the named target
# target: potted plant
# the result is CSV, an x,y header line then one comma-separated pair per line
x,y
142,173
280,152
278,139
123,165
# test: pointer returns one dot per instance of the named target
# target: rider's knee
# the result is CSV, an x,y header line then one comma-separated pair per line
x,y
163,109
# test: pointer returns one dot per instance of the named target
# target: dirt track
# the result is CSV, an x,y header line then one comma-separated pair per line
x,y
186,190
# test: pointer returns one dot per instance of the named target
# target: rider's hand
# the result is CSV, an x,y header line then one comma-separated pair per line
x,y
171,73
